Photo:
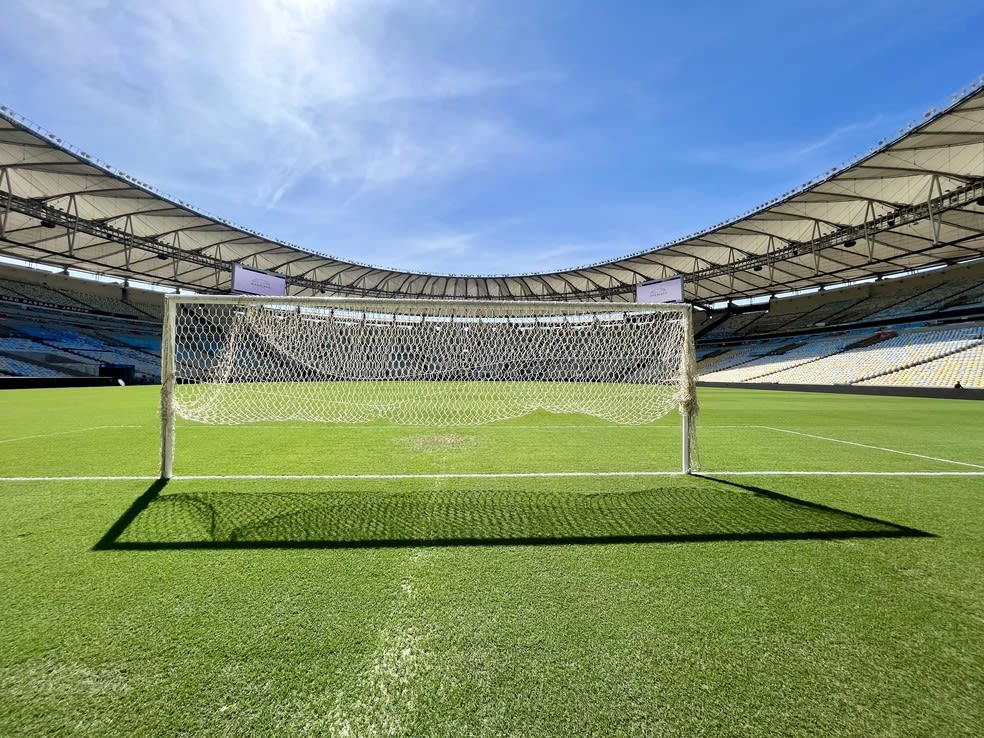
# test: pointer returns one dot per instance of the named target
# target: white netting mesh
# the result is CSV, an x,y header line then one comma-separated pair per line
x,y
427,363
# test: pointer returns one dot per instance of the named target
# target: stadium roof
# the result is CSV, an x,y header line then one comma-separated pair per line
x,y
913,203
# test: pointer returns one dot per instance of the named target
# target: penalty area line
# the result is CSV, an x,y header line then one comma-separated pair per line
x,y
874,448
53,434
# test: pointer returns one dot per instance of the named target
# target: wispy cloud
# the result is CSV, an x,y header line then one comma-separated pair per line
x,y
330,92
782,155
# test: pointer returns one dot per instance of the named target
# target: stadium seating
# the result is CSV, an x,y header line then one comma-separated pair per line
x,y
735,325
37,353
40,294
106,304
862,334
821,314
10,367
782,358
914,357
62,329
964,368
954,292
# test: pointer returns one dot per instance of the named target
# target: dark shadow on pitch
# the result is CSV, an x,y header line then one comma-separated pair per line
x,y
140,504
778,496
694,510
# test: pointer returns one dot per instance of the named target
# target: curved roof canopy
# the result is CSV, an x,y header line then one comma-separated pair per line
x,y
915,202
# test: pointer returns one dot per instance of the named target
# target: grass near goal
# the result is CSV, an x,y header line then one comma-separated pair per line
x,y
820,577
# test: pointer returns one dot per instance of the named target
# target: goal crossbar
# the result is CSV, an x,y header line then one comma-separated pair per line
x,y
241,359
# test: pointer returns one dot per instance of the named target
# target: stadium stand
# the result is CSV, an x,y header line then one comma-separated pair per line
x,y
963,368
56,326
923,331
39,294
864,360
820,314
16,368
783,357
926,331
734,325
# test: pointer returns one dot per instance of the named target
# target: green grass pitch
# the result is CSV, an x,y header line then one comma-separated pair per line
x,y
527,578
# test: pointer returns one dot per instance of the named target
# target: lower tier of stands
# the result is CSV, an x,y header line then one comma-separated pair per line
x,y
40,342
898,356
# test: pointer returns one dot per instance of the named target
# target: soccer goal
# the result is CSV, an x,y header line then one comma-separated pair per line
x,y
233,359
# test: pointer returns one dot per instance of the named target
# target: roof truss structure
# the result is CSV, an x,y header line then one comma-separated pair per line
x,y
914,203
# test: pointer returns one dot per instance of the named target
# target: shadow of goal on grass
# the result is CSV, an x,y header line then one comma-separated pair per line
x,y
705,510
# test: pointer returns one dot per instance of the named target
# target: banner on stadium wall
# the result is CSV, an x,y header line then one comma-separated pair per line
x,y
667,290
246,281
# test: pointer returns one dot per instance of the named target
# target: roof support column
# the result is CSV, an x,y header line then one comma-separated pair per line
x,y
73,210
771,259
815,247
5,177
869,237
127,240
175,250
935,219
218,269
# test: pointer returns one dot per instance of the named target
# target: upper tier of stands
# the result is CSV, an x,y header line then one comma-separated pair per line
x,y
926,296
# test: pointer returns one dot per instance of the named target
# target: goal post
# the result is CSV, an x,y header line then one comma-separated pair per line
x,y
243,359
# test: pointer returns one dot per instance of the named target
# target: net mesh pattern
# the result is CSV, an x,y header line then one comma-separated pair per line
x,y
427,363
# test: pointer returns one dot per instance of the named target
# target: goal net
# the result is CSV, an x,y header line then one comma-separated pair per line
x,y
233,360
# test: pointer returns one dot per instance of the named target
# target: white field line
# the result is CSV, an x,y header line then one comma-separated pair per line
x,y
95,478
430,428
874,448
804,473
505,475
523,475
67,432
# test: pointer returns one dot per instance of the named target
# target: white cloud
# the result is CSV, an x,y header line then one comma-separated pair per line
x,y
344,126
812,157
287,89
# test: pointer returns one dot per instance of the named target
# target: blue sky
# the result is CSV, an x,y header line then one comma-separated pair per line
x,y
475,137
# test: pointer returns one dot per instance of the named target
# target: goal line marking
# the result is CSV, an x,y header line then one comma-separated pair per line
x,y
814,473
92,478
658,424
503,475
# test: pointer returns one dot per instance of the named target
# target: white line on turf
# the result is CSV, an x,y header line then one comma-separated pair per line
x,y
804,473
504,475
68,432
536,475
874,448
95,478
361,426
